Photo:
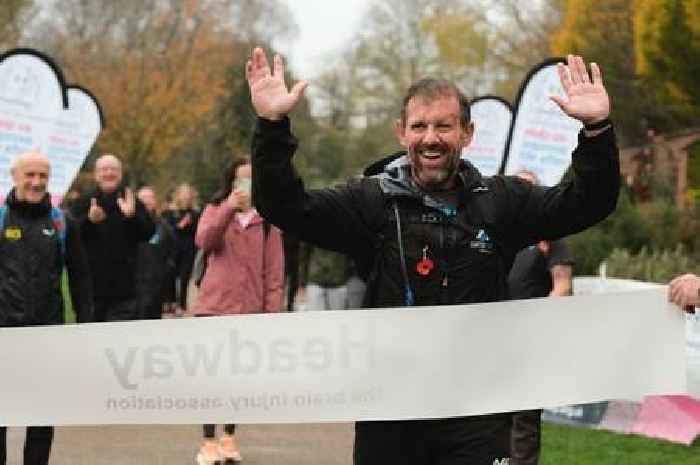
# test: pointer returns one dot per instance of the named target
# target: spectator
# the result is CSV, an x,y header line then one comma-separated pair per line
x,y
113,222
37,240
244,273
540,270
183,220
156,265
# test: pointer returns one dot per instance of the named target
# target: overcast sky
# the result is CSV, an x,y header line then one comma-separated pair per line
x,y
324,25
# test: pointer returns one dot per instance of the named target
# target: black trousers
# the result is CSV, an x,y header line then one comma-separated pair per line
x,y
117,309
37,445
478,440
210,430
525,440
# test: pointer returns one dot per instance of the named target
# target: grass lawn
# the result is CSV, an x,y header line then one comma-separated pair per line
x,y
564,445
68,313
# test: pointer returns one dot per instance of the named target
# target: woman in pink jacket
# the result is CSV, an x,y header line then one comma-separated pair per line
x,y
244,274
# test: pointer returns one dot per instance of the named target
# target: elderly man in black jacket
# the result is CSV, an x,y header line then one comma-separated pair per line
x,y
36,241
113,223
430,229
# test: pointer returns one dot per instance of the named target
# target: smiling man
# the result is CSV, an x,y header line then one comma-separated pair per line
x,y
114,222
433,131
428,229
36,242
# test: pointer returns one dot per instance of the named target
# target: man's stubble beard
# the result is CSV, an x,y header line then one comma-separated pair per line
x,y
434,179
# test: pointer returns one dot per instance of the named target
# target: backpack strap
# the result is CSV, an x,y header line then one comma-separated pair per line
x,y
58,218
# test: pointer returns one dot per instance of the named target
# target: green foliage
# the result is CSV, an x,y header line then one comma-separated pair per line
x,y
668,48
228,134
583,446
651,241
662,221
625,228
68,313
659,266
603,32
327,269
694,168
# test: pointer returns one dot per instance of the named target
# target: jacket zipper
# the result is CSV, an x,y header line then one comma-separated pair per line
x,y
445,293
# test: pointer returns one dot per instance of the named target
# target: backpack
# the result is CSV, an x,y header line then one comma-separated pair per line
x,y
58,219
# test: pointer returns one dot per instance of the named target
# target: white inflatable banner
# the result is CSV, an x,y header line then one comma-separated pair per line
x,y
73,133
342,366
543,137
31,98
37,112
492,118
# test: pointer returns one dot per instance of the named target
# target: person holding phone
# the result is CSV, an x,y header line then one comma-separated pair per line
x,y
244,274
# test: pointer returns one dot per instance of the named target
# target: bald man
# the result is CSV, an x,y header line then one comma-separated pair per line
x,y
113,222
35,244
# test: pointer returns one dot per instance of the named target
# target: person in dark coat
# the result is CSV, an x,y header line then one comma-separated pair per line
x,y
429,229
540,270
113,222
183,219
156,265
37,241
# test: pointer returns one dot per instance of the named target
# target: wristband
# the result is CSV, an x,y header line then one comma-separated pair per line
x,y
599,125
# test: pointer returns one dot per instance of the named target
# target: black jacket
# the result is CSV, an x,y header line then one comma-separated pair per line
x,y
112,244
186,248
31,264
472,251
156,268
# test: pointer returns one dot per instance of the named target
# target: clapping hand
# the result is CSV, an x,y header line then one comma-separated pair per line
x,y
185,221
127,205
96,214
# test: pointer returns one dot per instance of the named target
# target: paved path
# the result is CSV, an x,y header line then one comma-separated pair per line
x,y
307,444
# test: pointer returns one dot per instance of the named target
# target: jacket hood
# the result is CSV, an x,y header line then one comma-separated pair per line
x,y
43,207
394,175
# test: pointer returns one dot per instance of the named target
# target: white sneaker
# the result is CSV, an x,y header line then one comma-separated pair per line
x,y
228,449
209,454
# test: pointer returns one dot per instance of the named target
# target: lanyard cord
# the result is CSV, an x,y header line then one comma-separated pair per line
x,y
410,299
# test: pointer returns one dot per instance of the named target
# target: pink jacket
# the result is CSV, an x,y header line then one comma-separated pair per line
x,y
240,276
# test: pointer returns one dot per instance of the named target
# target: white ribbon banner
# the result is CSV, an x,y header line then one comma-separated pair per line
x,y
344,366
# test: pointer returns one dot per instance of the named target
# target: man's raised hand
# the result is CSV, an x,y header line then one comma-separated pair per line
x,y
586,99
268,91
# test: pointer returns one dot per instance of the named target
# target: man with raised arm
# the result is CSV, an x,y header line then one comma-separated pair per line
x,y
429,230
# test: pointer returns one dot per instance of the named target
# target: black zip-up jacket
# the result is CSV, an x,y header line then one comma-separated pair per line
x,y
112,245
156,268
31,263
472,251
388,225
